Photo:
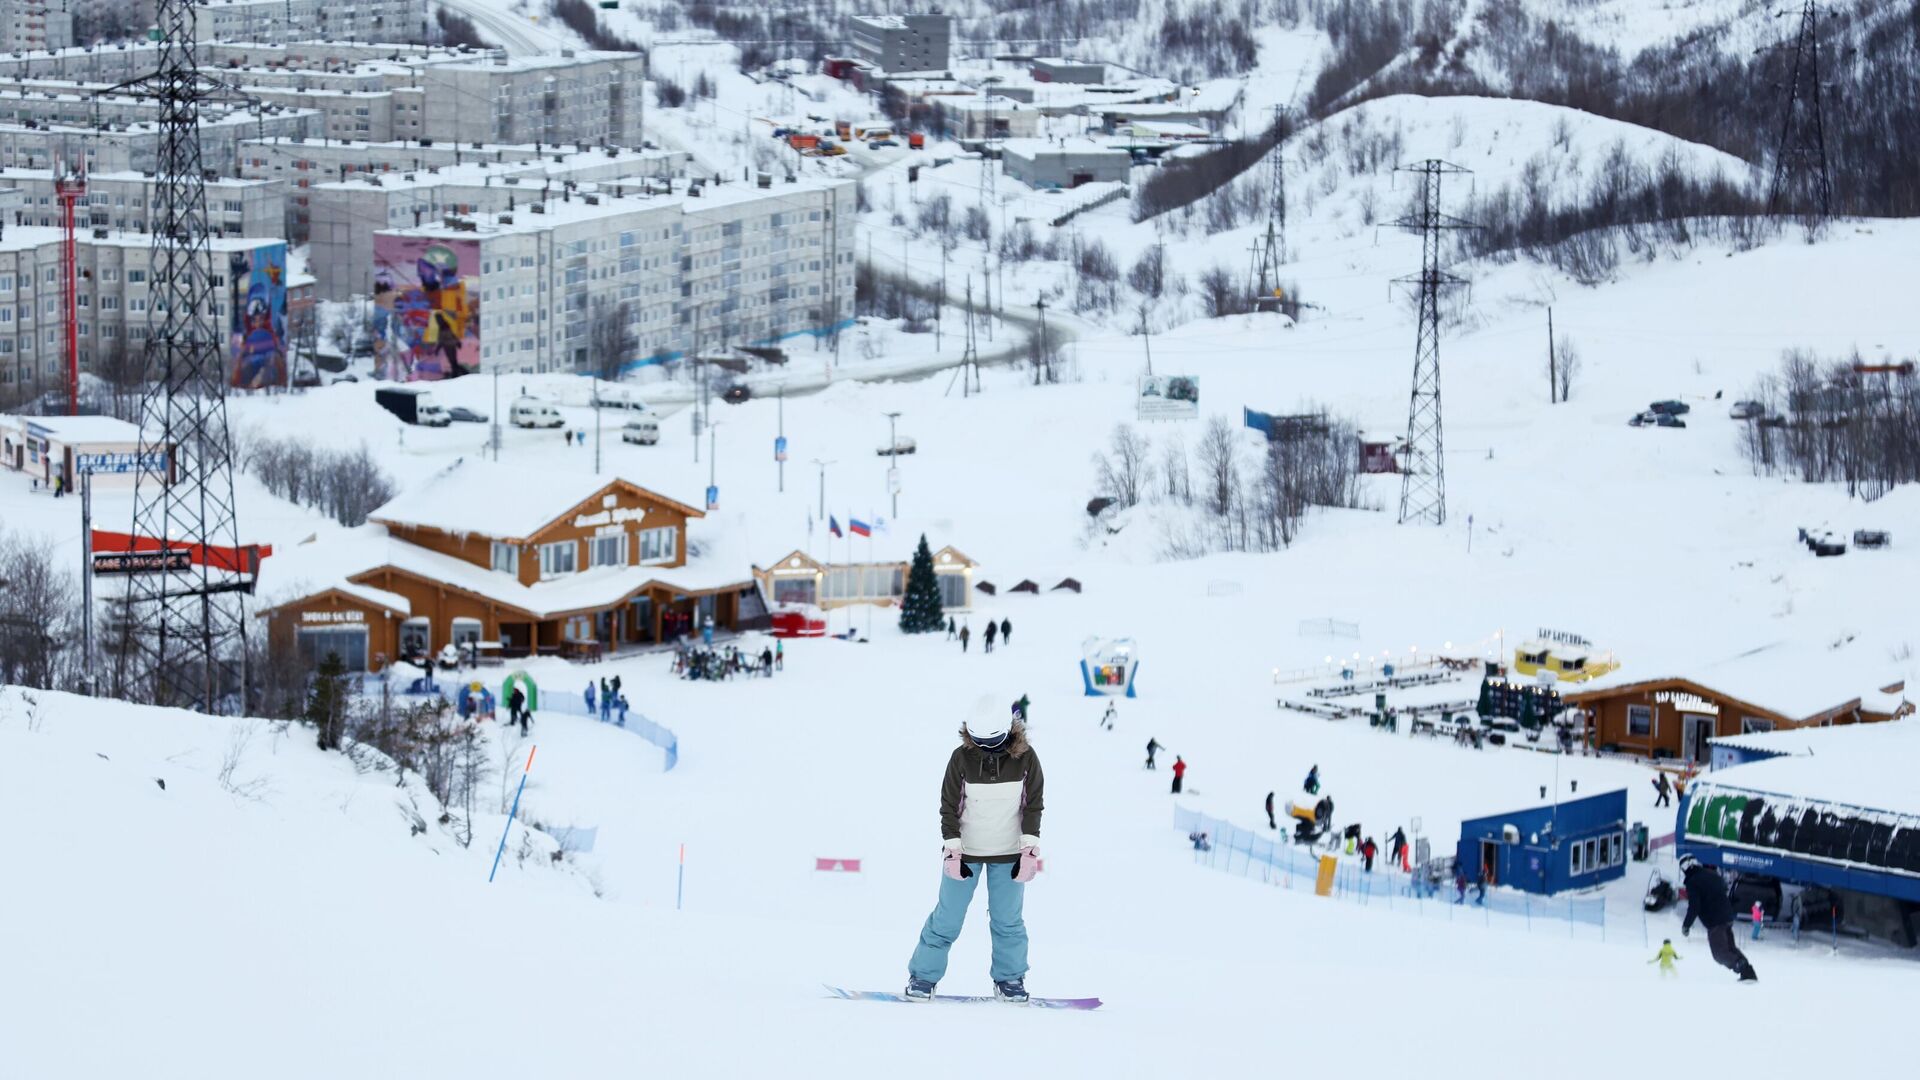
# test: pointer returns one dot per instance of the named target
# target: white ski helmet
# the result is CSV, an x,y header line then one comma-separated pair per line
x,y
989,722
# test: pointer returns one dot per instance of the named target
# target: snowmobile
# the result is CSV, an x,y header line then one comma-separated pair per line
x,y
1660,893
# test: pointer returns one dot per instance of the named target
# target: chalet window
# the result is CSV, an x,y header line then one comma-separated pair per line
x,y
506,558
659,545
1639,720
1750,725
609,550
560,558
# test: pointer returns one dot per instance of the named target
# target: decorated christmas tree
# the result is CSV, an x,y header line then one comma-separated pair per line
x,y
920,611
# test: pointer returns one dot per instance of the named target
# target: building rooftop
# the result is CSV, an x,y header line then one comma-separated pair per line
x,y
501,501
479,173
559,212
1865,765
1793,679
80,429
28,237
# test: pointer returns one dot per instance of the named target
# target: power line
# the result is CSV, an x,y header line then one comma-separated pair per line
x,y
1800,172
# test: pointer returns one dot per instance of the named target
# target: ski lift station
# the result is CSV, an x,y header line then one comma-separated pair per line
x,y
1550,848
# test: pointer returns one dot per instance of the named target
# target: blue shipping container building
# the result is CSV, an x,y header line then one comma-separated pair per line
x,y
1550,848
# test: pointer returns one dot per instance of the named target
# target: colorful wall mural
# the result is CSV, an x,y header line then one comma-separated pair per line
x,y
257,324
426,317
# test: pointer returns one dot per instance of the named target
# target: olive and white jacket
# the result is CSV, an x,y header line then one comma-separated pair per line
x,y
991,799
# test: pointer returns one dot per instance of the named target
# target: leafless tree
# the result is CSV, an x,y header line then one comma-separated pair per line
x,y
1174,468
1219,465
39,625
1124,472
1566,365
610,339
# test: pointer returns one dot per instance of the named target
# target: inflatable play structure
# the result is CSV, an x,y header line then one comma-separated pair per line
x,y
526,683
1108,667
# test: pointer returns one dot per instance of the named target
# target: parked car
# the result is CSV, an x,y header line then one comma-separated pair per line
x,y
618,399
736,394
1747,410
902,444
641,431
1823,542
878,143
533,413
1670,408
1871,538
1668,420
460,414
1642,419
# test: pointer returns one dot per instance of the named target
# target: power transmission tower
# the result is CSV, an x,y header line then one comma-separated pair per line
x,y
1423,486
1802,182
183,624
1269,249
969,372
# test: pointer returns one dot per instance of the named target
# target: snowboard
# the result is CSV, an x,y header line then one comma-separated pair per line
x,y
961,999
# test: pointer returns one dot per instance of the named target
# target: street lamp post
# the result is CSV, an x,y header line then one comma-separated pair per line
x,y
893,461
713,467
823,484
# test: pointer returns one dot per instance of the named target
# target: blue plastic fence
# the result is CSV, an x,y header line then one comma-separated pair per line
x,y
575,704
1275,860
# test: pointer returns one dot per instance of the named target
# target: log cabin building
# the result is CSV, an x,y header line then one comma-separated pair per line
x,y
504,562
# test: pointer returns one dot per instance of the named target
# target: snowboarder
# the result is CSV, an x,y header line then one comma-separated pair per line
x,y
1312,786
1200,841
1663,790
952,628
993,629
1397,846
1106,718
1707,902
1368,850
1006,632
990,805
1020,708
1665,958
1759,917
1271,824
1179,772
966,635
1152,746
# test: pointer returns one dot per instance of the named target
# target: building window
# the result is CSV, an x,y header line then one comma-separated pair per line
x,y
1639,720
347,643
416,638
506,558
793,590
609,550
659,545
560,558
1577,868
1753,725
579,628
466,633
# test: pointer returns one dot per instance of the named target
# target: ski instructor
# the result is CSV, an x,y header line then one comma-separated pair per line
x,y
990,805
1707,901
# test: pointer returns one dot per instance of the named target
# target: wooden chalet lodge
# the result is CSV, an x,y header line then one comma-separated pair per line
x,y
506,561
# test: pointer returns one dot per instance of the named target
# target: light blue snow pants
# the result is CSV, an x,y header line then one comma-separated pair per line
x,y
1004,899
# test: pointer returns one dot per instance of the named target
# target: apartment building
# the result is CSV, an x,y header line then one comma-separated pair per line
x,y
569,97
123,201
343,215
281,21
251,275
899,43
701,268
35,24
134,144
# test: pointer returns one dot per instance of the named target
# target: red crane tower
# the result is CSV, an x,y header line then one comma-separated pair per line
x,y
71,188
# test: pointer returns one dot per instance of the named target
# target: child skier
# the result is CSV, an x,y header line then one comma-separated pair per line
x,y
1153,745
1759,916
1106,720
1665,958
990,806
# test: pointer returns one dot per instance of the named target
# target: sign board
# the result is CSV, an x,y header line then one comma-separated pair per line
x,y
1686,702
1561,637
348,616
615,516
120,463
893,481
713,497
1169,397
780,448
178,560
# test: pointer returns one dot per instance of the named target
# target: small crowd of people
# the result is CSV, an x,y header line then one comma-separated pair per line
x,y
719,664
1002,630
610,703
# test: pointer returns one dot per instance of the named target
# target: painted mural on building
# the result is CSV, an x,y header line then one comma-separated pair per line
x,y
257,324
426,317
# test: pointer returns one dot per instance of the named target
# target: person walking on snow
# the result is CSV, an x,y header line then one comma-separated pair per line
x,y
951,628
590,708
1271,824
1367,851
516,701
993,628
1006,632
1153,745
1707,901
1179,772
965,636
1312,786
779,655
1665,958
1663,790
1397,846
991,800
1759,917
1106,718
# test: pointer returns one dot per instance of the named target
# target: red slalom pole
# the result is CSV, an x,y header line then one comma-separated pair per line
x,y
514,814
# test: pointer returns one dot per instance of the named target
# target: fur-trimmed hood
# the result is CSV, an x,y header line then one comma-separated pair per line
x,y
1016,741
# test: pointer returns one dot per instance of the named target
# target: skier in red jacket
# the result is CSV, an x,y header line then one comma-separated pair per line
x,y
1179,772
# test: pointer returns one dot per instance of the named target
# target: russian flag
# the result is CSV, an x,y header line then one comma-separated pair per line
x,y
833,525
859,528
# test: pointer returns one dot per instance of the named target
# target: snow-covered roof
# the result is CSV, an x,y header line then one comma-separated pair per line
x,y
81,429
1865,765
1793,679
500,501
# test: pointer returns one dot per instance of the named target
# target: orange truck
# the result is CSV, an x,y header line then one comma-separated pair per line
x,y
803,142
917,141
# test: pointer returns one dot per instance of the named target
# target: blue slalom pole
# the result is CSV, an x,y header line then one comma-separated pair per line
x,y
680,881
511,816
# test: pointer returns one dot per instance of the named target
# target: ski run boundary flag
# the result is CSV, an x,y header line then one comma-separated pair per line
x,y
859,528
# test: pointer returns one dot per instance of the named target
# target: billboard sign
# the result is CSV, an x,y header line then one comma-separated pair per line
x,y
120,463
426,313
257,322
171,561
1169,397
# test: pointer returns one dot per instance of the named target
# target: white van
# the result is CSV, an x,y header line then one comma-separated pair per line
x,y
642,430
533,413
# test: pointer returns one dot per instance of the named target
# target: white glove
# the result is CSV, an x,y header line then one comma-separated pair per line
x,y
1029,842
